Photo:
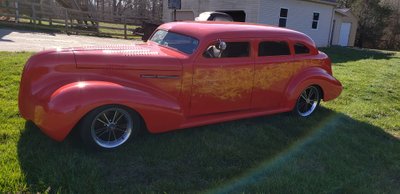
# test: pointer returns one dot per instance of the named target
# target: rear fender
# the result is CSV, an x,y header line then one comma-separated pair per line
x,y
331,87
67,105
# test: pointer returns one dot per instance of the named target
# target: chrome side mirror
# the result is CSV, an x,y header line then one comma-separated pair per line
x,y
221,45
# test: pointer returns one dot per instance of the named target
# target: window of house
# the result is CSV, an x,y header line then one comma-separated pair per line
x,y
315,20
273,48
233,50
301,49
283,17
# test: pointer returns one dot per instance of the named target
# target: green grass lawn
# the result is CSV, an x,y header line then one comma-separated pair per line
x,y
352,145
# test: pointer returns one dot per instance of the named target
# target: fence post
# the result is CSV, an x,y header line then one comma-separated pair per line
x,y
125,33
33,15
66,21
41,14
16,12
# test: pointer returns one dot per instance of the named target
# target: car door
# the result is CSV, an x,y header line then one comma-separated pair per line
x,y
223,81
274,66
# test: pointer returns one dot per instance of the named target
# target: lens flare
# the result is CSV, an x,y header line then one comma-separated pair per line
x,y
324,128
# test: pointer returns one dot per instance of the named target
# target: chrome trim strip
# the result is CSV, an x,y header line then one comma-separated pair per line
x,y
160,76
167,76
148,76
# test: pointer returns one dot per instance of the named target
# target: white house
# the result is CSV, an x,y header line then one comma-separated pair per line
x,y
312,17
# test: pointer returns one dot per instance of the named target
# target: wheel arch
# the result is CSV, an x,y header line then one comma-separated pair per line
x,y
320,89
85,127
328,86
65,107
142,121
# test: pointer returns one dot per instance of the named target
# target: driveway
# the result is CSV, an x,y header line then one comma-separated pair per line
x,y
21,40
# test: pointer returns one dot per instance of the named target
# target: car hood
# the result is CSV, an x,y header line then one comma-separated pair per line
x,y
140,57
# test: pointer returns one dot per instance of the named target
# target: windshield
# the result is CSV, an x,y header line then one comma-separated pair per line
x,y
176,41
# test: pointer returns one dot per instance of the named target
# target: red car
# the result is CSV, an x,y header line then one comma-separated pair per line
x,y
188,74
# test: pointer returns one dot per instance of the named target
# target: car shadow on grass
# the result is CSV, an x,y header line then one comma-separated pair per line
x,y
329,152
340,54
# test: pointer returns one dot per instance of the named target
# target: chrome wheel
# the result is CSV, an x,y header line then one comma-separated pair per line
x,y
308,101
111,127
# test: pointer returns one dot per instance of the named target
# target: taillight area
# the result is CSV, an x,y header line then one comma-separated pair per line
x,y
328,64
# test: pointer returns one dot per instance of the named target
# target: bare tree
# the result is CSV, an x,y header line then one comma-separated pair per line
x,y
378,23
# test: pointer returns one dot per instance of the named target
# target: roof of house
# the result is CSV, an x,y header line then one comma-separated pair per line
x,y
330,2
345,12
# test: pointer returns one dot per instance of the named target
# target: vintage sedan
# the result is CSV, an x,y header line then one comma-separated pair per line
x,y
188,74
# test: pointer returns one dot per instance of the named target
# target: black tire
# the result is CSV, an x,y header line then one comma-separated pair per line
x,y
308,101
109,127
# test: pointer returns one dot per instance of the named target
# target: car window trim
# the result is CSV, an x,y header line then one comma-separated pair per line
x,y
250,56
272,39
174,49
306,45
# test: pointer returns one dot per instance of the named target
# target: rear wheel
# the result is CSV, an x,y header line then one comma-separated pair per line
x,y
308,101
109,127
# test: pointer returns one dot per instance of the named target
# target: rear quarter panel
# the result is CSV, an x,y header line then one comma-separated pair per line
x,y
311,70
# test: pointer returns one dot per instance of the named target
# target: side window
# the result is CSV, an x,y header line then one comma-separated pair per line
x,y
301,49
283,17
273,48
233,50
315,20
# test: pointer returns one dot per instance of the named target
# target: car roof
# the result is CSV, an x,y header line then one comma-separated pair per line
x,y
213,30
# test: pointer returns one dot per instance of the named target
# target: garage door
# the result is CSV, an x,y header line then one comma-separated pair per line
x,y
344,34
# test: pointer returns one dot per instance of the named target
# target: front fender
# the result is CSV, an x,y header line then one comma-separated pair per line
x,y
331,87
68,104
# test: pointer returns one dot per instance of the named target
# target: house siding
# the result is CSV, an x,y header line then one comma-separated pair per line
x,y
300,17
250,7
338,24
339,20
300,14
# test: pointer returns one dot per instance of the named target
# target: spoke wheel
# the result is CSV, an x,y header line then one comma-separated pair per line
x,y
109,126
112,127
308,101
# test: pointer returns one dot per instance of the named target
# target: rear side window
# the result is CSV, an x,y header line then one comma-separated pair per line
x,y
233,50
273,48
301,49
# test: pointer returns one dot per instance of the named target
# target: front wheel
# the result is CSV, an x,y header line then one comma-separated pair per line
x,y
109,127
308,101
